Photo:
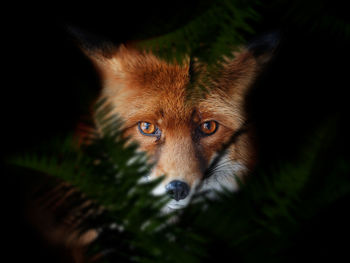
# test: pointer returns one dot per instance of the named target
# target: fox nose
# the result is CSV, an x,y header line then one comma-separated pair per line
x,y
177,189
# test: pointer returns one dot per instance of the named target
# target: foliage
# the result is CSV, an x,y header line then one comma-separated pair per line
x,y
206,36
260,221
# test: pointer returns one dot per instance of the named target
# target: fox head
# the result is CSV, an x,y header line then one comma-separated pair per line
x,y
199,144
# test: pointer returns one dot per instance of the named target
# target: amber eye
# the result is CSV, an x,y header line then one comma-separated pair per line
x,y
208,127
147,128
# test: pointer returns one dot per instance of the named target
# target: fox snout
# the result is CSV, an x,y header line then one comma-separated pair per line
x,y
181,163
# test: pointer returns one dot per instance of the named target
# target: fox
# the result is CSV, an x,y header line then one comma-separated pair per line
x,y
201,142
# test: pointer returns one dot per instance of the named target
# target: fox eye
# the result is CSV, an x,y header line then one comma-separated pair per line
x,y
147,128
208,127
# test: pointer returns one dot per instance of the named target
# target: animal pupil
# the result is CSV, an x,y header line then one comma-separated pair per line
x,y
208,127
147,127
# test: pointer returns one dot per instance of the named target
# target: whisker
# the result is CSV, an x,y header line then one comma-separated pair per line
x,y
226,168
221,154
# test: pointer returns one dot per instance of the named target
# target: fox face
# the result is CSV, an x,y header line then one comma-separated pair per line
x,y
186,135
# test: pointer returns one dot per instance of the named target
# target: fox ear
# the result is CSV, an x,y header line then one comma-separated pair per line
x,y
263,47
94,46
240,73
98,49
